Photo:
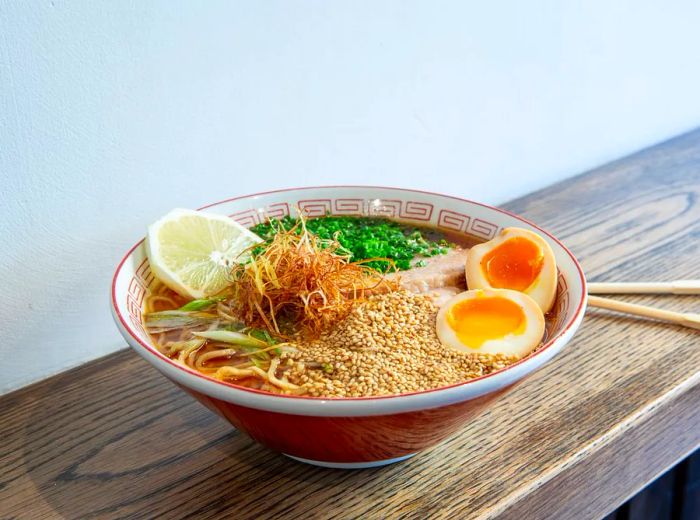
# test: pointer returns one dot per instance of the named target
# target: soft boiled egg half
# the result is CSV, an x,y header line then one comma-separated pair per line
x,y
516,259
493,321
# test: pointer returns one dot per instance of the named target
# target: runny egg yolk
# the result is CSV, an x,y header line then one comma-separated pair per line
x,y
478,320
514,264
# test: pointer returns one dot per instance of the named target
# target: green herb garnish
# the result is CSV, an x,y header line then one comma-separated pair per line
x,y
229,336
263,335
364,238
199,305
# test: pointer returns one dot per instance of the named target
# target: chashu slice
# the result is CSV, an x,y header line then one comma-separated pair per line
x,y
442,278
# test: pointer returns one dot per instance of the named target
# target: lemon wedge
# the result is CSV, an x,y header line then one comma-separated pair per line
x,y
193,252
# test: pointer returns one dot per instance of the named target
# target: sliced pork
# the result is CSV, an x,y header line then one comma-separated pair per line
x,y
442,278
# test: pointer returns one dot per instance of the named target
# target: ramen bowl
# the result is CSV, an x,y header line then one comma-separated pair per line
x,y
366,431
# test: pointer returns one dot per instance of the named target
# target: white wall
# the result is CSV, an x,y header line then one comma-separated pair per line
x,y
111,113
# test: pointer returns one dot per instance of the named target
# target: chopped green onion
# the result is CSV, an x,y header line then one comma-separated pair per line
x,y
235,326
164,321
256,352
364,238
199,305
229,336
263,335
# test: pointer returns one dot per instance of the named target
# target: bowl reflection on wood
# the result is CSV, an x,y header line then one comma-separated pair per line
x,y
353,432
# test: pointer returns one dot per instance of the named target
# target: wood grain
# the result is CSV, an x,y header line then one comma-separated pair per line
x,y
617,408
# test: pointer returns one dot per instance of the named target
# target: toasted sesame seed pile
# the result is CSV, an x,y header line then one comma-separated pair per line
x,y
387,345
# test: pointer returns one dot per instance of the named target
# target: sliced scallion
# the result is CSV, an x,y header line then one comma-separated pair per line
x,y
164,321
230,336
199,305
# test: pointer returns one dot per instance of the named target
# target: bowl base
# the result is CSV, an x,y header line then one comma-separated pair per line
x,y
351,465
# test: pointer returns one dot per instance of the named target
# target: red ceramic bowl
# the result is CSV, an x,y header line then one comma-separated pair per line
x,y
353,432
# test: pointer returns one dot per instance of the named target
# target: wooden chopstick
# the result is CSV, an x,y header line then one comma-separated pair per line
x,y
675,287
687,319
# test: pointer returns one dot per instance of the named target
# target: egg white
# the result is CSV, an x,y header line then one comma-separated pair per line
x,y
543,289
511,344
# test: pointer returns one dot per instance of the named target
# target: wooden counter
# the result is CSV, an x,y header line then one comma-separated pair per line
x,y
617,408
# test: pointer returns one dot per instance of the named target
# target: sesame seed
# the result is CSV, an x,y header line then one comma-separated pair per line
x,y
386,345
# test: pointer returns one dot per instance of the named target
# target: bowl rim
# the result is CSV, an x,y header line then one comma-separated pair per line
x,y
226,386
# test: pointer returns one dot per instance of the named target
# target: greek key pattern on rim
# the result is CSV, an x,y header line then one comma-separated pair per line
x,y
455,221
136,293
315,207
408,210
350,207
251,217
417,211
